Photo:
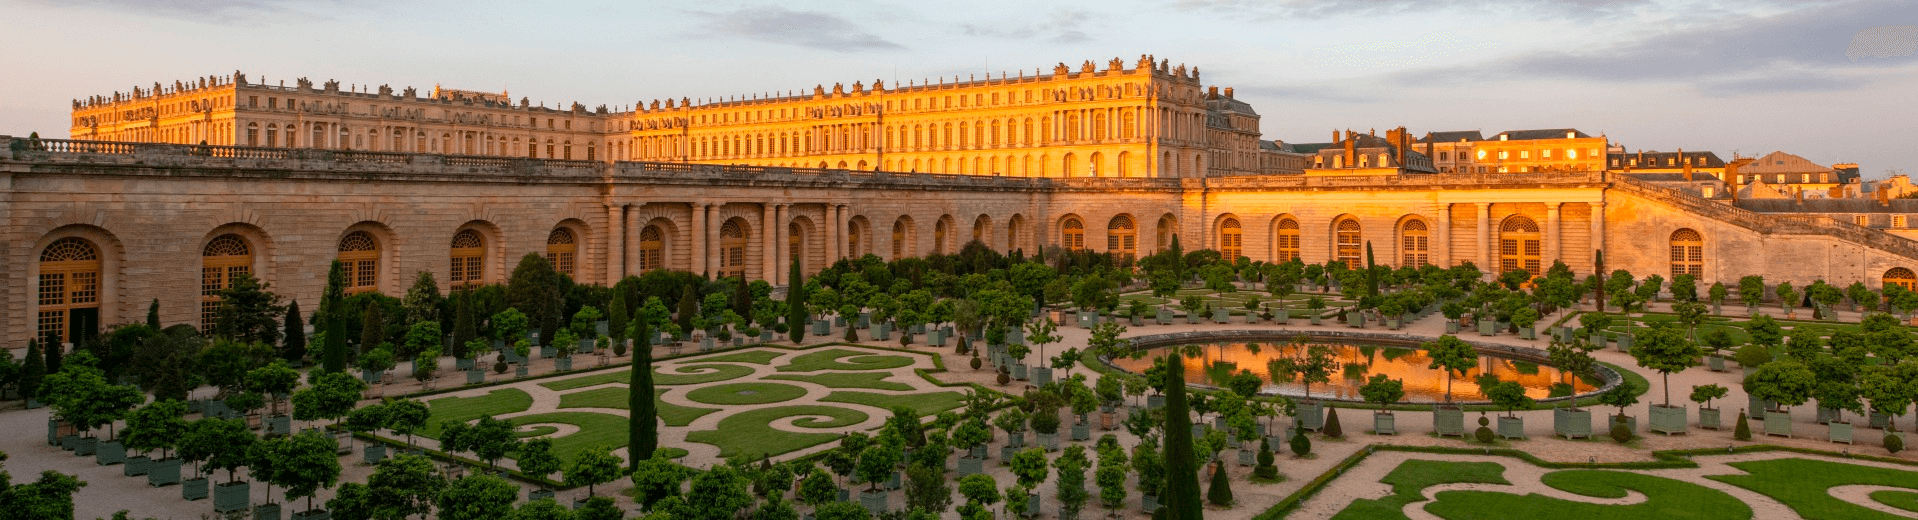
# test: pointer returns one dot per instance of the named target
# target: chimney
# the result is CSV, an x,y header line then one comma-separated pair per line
x,y
1228,92
1212,93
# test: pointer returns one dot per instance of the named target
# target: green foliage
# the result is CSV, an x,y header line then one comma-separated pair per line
x,y
303,464
1219,493
717,493
1619,432
594,466
1894,443
1454,355
1509,395
1332,428
477,497
249,311
1704,394
1665,349
1300,444
160,425
1784,382
1743,430
1182,472
1383,390
221,443
927,489
643,424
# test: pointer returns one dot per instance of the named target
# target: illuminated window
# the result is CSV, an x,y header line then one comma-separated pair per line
x,y
1519,245
1414,244
1288,240
562,249
1122,236
1348,244
360,257
1072,234
69,289
222,260
1898,221
1231,239
1901,277
1688,253
467,258
1481,154
732,248
1570,153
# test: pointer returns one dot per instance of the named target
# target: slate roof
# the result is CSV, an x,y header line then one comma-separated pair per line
x,y
1548,133
1452,137
1672,177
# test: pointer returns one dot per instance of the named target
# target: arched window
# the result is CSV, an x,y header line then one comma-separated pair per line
x,y
69,289
795,242
562,249
1122,236
468,258
1414,244
1288,240
360,257
652,249
222,260
732,248
1231,239
898,239
1518,245
1349,244
1688,253
939,237
1012,232
1072,234
855,248
1897,276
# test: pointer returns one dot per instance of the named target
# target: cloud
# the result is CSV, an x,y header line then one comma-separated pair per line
x,y
210,10
1293,93
1270,9
1888,41
1062,26
802,28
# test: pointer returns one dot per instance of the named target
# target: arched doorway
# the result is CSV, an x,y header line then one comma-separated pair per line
x,y
360,257
224,258
1072,234
1518,245
1231,239
1900,277
562,249
1288,240
468,259
1688,253
1414,246
1349,242
1122,236
69,290
732,248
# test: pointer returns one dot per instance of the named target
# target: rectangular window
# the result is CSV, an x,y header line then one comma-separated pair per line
x,y
272,102
1861,220
1898,221
253,101
1545,154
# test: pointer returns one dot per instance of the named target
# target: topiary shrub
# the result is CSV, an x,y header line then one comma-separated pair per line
x,y
1620,433
1751,356
619,348
1743,431
1484,433
1894,443
1301,445
499,365
1220,492
1332,428
1265,468
976,364
1004,379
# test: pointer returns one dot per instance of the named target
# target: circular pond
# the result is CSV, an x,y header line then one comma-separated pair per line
x,y
1353,363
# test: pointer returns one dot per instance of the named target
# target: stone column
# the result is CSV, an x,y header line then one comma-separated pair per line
x,y
782,240
1485,255
632,239
842,220
1553,249
1598,227
830,226
712,239
616,243
697,253
1443,235
769,248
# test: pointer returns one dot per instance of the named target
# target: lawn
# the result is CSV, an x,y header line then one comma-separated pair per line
x,y
1664,498
930,403
757,357
751,432
1409,481
1803,485
1905,500
462,409
843,359
872,380
674,415
696,374
745,393
594,429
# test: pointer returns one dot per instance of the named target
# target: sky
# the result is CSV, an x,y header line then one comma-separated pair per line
x,y
1830,80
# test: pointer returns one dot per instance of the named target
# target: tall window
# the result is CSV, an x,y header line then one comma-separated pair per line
x,y
1288,240
1012,232
222,260
732,248
1414,244
468,258
1231,240
652,249
1072,234
1688,253
1518,245
1122,236
69,289
1901,277
1349,246
1166,230
795,241
562,249
360,256
898,239
854,248
939,237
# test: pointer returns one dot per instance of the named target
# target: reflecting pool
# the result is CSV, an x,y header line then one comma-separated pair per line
x,y
1353,364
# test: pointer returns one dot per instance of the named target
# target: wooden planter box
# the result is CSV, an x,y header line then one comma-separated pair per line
x,y
1778,423
1487,328
1049,441
474,377
1355,320
1247,457
232,496
1384,423
1449,421
1572,423
1164,316
1708,418
1311,415
1511,427
1527,333
1155,401
1625,342
137,466
1221,316
1840,431
1040,375
1082,431
266,512
1669,420
1715,363
560,364
821,328
279,425
971,466
164,472
1316,318
317,514
110,453
373,453
194,489
1451,326
86,446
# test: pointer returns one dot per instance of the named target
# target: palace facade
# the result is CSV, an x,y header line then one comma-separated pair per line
x,y
460,184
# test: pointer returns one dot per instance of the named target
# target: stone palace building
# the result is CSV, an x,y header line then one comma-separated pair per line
x,y
1116,158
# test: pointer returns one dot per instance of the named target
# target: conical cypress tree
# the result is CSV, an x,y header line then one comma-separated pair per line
x,y
1265,468
1181,468
332,318
54,351
616,314
153,314
743,298
465,326
688,306
1371,272
1178,257
1598,270
795,304
1220,492
1743,431
373,328
32,370
294,346
1332,428
643,429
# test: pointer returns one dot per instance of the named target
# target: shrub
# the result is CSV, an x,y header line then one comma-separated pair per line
x,y
1620,433
1894,443
1751,356
1004,378
1301,445
1220,492
1484,435
976,364
1265,468
619,348
1743,431
1332,428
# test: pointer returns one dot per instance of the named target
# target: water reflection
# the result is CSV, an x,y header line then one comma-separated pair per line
x,y
1354,363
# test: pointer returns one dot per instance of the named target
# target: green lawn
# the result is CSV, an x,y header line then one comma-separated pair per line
x,y
462,409
872,380
843,359
930,403
594,429
745,393
1905,500
622,375
1664,498
681,375
751,431
674,415
757,357
1802,484
1409,481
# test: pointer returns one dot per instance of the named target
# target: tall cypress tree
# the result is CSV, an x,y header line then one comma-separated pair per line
x,y
332,317
373,328
1182,500
294,346
32,370
464,327
55,351
644,427
688,307
795,304
153,314
743,298
1178,258
1371,272
616,314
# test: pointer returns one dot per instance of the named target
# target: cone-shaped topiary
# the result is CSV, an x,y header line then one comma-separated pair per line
x,y
1301,445
1744,430
1220,492
1265,468
1332,428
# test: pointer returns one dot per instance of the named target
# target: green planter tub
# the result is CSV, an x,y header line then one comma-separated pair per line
x,y
1511,427
373,453
232,496
1311,415
1840,431
316,514
1669,420
874,501
136,466
1778,423
1487,328
110,453
194,489
165,472
1708,418
267,512
1449,421
1572,423
1384,423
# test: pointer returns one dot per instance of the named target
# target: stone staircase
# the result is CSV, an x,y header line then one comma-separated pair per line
x,y
1770,223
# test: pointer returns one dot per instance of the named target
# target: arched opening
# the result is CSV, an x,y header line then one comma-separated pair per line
x,y
1015,227
1414,244
1122,236
796,243
562,249
468,259
982,230
1896,277
901,239
360,258
1231,239
1348,243
1288,240
732,248
1167,229
69,290
1518,245
1688,254
857,238
224,258
939,235
652,249
1072,234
